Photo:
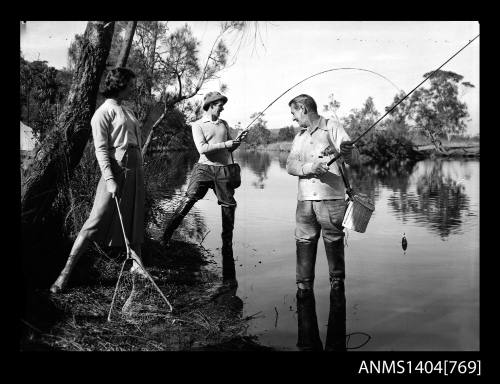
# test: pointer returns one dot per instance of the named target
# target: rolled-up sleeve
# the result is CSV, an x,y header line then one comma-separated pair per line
x,y
202,144
101,123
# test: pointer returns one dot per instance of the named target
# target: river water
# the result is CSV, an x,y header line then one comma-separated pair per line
x,y
425,298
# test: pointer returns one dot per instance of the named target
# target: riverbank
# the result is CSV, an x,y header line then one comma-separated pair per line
x,y
454,149
206,314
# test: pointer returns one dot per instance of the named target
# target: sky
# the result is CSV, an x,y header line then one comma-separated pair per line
x,y
275,55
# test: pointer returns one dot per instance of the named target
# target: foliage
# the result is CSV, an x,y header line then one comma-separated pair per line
x,y
168,67
436,109
286,134
388,145
43,91
332,106
359,120
258,134
77,195
174,125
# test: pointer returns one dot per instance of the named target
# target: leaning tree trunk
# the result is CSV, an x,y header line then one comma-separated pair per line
x,y
62,149
437,143
127,44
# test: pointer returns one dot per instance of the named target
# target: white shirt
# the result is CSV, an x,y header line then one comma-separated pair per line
x,y
306,149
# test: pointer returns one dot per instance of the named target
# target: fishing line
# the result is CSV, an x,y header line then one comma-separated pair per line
x,y
317,74
348,338
400,101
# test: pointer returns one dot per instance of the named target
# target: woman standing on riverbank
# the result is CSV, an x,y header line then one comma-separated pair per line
x,y
117,142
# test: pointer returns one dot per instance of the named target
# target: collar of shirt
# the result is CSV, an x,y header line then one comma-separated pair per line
x,y
208,119
113,102
321,125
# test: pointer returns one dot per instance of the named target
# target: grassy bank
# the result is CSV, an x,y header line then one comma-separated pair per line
x,y
206,316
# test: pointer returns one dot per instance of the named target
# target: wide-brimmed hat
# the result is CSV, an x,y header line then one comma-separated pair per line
x,y
210,97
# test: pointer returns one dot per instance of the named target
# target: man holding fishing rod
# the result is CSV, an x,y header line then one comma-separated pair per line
x,y
320,208
215,146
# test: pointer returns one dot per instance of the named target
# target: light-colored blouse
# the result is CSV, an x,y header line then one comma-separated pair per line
x,y
114,128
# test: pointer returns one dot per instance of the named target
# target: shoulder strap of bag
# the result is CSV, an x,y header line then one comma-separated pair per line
x,y
342,169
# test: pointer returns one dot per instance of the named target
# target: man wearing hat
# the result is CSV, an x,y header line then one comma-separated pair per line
x,y
213,142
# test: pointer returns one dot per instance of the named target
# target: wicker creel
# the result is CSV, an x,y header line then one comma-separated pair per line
x,y
358,213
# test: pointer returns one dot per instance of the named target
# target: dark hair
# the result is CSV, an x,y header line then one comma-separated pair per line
x,y
116,80
207,106
305,100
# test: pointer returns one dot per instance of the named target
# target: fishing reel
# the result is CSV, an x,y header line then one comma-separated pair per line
x,y
328,151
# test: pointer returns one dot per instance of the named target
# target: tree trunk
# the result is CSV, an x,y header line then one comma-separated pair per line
x,y
156,114
151,59
127,44
437,143
149,104
62,148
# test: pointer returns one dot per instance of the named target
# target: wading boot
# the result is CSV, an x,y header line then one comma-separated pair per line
x,y
306,261
179,214
308,333
79,247
336,333
228,267
335,255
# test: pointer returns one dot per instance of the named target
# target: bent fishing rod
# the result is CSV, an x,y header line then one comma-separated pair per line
x,y
400,101
307,78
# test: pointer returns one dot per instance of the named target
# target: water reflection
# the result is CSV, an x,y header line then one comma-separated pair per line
x,y
308,338
369,180
166,177
439,200
430,193
167,172
258,163
226,295
282,158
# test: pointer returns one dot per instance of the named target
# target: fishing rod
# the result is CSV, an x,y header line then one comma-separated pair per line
x,y
307,78
400,101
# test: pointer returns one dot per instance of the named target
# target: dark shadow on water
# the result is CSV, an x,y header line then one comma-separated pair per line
x,y
166,177
164,173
